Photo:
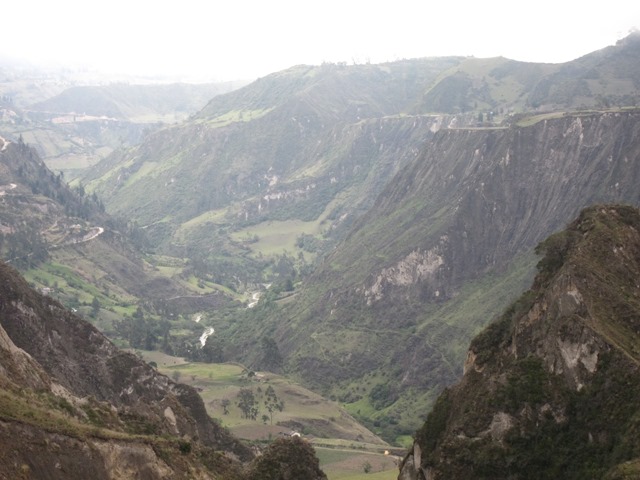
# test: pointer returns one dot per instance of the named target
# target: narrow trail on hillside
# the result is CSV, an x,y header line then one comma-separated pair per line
x,y
94,233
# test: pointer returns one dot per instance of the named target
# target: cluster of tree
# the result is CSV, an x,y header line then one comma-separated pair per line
x,y
287,458
142,332
309,243
482,118
25,247
381,396
31,171
147,332
249,403
211,352
222,269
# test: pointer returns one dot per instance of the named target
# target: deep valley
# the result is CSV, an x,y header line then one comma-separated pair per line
x,y
195,276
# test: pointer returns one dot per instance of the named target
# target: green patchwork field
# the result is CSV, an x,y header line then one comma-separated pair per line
x,y
345,448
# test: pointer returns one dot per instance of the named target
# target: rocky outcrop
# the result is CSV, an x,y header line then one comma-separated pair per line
x,y
550,390
82,360
55,456
414,268
31,452
81,408
17,365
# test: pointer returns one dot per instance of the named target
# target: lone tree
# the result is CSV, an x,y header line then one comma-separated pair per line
x,y
247,403
287,459
272,403
95,307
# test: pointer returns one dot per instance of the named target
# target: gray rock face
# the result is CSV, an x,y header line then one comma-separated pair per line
x,y
507,189
18,365
59,457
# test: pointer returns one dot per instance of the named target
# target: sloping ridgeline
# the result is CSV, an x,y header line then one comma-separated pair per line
x,y
551,388
279,148
318,144
74,406
384,323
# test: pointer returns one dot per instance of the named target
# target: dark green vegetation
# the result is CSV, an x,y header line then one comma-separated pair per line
x,y
551,388
287,458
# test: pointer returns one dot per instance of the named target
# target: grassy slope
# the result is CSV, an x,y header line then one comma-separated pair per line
x,y
319,417
322,100
341,456
350,465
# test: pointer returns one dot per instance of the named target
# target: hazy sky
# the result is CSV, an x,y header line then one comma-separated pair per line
x,y
248,38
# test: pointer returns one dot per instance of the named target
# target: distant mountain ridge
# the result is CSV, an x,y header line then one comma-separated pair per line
x,y
73,125
133,102
283,147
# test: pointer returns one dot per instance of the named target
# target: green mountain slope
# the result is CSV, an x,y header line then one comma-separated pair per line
x,y
291,162
38,208
296,145
320,143
81,125
550,390
605,78
146,103
384,321
66,245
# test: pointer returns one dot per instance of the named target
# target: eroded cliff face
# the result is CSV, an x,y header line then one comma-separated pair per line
x,y
32,452
494,193
19,366
74,406
44,455
550,390
416,267
444,250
